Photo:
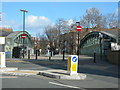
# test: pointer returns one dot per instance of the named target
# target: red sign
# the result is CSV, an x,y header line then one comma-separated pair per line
x,y
23,36
79,28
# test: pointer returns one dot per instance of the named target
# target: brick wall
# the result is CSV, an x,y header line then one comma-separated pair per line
x,y
114,56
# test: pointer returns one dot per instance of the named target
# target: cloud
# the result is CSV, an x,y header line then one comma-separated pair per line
x,y
37,22
34,24
8,23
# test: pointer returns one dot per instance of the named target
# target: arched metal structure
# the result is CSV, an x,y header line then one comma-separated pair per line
x,y
15,40
97,42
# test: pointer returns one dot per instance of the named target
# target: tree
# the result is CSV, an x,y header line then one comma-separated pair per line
x,y
55,33
101,22
112,20
84,22
94,19
52,33
91,18
63,26
41,42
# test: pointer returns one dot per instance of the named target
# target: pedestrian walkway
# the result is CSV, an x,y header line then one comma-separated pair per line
x,y
5,69
22,72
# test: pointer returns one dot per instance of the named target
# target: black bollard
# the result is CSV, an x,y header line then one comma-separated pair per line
x,y
63,55
28,54
94,57
50,55
36,54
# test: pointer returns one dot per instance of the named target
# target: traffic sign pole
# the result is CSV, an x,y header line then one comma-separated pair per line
x,y
78,28
23,37
78,44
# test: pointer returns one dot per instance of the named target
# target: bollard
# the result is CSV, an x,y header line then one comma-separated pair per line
x,y
36,54
94,57
50,55
28,54
72,65
63,55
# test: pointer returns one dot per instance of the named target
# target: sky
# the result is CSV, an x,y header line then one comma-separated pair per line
x,y
41,14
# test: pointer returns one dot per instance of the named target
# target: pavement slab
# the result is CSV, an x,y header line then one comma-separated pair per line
x,y
8,69
21,72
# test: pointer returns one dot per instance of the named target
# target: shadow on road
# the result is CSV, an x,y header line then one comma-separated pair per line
x,y
86,65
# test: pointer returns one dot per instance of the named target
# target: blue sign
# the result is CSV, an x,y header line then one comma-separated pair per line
x,y
74,59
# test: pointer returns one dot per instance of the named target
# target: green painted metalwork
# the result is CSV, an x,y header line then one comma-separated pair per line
x,y
92,42
17,39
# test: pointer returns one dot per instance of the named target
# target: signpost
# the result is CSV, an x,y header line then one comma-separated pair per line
x,y
73,59
23,37
78,28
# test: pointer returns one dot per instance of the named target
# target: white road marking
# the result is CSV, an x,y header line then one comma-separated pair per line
x,y
63,85
79,28
8,77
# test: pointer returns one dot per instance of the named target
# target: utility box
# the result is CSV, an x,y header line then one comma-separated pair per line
x,y
72,65
2,53
2,40
2,59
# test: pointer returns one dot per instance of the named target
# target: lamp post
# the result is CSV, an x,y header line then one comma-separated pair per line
x,y
78,24
24,11
100,36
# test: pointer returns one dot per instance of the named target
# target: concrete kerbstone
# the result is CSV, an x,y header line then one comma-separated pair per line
x,y
80,76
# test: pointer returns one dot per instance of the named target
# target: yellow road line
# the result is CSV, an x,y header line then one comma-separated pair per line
x,y
8,77
14,61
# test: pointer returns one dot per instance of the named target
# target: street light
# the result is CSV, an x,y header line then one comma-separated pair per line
x,y
24,11
78,24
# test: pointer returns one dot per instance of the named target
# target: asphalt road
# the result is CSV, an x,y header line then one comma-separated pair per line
x,y
95,81
27,82
99,75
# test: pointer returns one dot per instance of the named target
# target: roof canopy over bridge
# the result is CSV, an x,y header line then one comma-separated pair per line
x,y
15,37
112,35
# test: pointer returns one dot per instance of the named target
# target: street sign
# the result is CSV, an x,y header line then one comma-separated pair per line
x,y
78,28
74,59
72,64
23,36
